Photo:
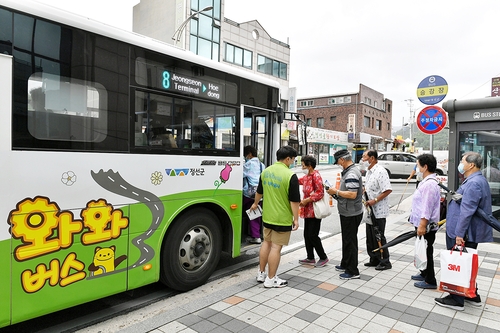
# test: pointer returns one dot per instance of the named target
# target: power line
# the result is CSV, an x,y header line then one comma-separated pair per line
x,y
480,86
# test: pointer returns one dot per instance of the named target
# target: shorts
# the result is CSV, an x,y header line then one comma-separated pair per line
x,y
276,237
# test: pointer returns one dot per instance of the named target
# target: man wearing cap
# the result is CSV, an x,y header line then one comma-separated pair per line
x,y
350,207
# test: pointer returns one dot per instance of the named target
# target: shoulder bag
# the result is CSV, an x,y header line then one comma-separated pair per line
x,y
322,207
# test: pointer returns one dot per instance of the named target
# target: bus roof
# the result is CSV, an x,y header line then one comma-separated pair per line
x,y
74,20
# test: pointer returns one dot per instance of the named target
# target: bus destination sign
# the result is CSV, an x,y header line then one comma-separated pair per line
x,y
432,90
188,85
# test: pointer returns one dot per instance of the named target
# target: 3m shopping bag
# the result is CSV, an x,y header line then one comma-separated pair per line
x,y
459,272
420,259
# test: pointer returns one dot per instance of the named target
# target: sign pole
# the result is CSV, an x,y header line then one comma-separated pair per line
x,y
431,143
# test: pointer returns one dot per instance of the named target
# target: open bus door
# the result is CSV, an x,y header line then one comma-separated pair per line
x,y
474,126
260,130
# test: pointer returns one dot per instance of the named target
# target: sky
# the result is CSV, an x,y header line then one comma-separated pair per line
x,y
390,46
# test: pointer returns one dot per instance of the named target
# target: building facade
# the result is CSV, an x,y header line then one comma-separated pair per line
x,y
366,117
186,24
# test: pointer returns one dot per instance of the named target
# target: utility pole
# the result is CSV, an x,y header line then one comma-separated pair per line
x,y
410,104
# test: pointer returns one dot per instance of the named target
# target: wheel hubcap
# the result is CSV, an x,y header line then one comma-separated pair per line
x,y
195,248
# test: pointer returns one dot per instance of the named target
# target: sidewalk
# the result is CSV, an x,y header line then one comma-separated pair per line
x,y
316,300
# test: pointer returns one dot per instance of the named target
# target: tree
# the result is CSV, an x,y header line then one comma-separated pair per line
x,y
441,139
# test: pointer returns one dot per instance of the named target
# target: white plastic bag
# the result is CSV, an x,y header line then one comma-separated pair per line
x,y
367,215
420,260
322,207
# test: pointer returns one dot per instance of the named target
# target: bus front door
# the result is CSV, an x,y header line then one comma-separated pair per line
x,y
258,131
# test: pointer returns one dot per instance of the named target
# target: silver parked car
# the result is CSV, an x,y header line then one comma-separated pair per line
x,y
399,164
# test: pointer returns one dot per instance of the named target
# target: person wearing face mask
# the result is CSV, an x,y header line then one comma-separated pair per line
x,y
463,226
425,211
350,207
419,176
377,187
279,186
312,188
251,172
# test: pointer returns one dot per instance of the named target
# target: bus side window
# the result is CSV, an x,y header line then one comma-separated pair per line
x,y
202,136
183,123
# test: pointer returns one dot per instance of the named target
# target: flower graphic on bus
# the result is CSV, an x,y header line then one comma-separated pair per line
x,y
156,178
68,178
224,176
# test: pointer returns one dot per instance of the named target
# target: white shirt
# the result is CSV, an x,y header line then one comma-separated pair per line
x,y
376,182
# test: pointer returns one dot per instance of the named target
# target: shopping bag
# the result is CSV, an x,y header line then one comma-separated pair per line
x,y
322,207
420,260
459,271
366,215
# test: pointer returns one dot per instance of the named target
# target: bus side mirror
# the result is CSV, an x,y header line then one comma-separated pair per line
x,y
279,114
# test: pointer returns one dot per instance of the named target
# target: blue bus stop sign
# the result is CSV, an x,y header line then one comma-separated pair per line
x,y
431,120
432,90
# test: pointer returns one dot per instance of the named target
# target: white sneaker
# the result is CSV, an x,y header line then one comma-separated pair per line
x,y
261,276
275,282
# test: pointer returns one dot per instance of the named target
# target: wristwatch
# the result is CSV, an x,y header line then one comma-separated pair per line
x,y
376,200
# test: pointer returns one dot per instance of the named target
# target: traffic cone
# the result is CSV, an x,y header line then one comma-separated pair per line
x,y
337,182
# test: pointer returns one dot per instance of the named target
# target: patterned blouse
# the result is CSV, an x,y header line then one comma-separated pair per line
x,y
312,186
376,182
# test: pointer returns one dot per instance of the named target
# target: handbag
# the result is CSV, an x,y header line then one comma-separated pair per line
x,y
420,259
250,190
459,271
322,207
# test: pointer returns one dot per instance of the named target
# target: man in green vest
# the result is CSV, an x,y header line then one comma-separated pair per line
x,y
279,187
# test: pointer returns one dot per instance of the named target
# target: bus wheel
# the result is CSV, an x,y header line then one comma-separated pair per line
x,y
191,251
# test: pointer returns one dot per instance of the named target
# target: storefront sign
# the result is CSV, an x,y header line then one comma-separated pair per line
x,y
320,135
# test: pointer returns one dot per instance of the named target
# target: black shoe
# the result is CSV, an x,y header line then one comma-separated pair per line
x,y
449,302
476,301
370,264
381,267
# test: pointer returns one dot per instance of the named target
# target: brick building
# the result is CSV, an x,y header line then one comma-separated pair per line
x,y
366,117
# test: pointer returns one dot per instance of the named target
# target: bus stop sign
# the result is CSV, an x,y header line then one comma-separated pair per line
x,y
432,90
431,120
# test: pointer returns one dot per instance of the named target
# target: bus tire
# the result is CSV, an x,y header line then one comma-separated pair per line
x,y
191,250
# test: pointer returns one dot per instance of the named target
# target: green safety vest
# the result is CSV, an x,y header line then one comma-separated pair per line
x,y
276,184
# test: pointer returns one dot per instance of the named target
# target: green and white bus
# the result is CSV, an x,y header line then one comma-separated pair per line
x,y
120,160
